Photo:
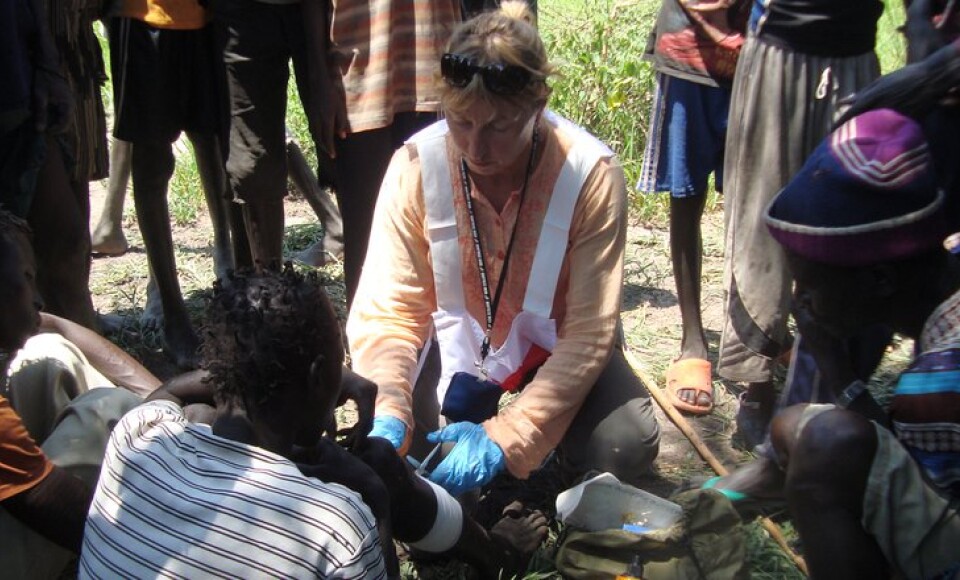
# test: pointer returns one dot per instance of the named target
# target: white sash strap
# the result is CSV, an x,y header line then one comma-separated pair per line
x,y
441,216
552,245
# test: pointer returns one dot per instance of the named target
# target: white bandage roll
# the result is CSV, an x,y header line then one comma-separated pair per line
x,y
446,527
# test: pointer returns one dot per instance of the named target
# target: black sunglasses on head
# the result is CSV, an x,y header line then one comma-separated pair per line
x,y
500,79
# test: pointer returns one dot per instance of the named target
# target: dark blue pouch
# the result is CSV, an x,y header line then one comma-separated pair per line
x,y
470,399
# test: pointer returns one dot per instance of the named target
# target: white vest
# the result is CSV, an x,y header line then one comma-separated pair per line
x,y
458,333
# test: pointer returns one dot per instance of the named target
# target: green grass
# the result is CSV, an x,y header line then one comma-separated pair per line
x,y
605,86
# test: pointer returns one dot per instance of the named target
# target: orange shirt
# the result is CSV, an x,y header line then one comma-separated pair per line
x,y
169,14
388,53
22,463
390,319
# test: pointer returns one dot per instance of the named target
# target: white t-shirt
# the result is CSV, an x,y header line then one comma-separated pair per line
x,y
176,500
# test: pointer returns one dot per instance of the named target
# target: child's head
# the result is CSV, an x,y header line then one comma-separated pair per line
x,y
18,291
863,224
272,338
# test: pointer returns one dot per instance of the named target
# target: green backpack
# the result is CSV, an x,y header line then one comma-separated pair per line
x,y
707,543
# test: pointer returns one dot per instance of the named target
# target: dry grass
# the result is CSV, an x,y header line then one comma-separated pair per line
x,y
650,314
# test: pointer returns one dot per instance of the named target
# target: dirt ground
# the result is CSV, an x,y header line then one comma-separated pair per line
x,y
651,316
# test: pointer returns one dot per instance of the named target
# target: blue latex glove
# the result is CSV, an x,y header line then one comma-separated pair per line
x,y
390,428
474,460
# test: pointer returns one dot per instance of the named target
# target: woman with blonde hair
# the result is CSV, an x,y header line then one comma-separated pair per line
x,y
496,264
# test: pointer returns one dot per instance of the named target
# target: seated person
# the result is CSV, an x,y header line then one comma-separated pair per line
x,y
51,376
863,225
497,254
259,491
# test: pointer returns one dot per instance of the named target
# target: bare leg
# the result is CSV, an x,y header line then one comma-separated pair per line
x,y
108,238
213,180
755,411
686,251
61,242
264,225
242,257
827,468
323,205
206,149
152,168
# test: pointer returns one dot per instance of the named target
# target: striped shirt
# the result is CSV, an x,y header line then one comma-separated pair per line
x,y
388,53
175,500
926,404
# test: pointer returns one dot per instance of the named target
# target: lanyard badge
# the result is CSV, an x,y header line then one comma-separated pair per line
x,y
490,306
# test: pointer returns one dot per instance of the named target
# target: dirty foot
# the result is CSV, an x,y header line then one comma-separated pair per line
x,y
314,255
107,241
152,318
181,345
115,324
516,536
333,246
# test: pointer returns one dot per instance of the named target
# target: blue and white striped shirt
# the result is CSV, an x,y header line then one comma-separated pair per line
x,y
175,500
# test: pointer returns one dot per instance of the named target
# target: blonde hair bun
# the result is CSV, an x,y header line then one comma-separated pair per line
x,y
518,10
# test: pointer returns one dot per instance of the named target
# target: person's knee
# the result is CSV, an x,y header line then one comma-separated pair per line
x,y
625,444
152,165
830,460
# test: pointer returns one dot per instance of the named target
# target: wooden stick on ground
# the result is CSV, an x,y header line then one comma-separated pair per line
x,y
684,426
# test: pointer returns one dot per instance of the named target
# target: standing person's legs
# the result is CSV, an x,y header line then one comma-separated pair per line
x,y
256,52
61,241
362,160
784,104
155,97
108,238
206,150
322,204
153,164
685,145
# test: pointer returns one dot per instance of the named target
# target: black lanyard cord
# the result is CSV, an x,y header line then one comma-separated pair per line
x,y
490,306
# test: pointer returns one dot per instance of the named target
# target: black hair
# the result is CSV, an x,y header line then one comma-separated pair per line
x,y
263,330
13,228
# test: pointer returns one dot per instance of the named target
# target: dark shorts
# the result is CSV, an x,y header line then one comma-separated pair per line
x,y
688,128
164,81
259,40
22,153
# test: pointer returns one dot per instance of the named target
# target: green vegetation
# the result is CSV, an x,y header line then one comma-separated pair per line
x,y
604,85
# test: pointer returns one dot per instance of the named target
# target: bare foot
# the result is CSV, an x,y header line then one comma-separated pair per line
x,y
181,344
516,536
152,317
333,246
314,255
108,241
